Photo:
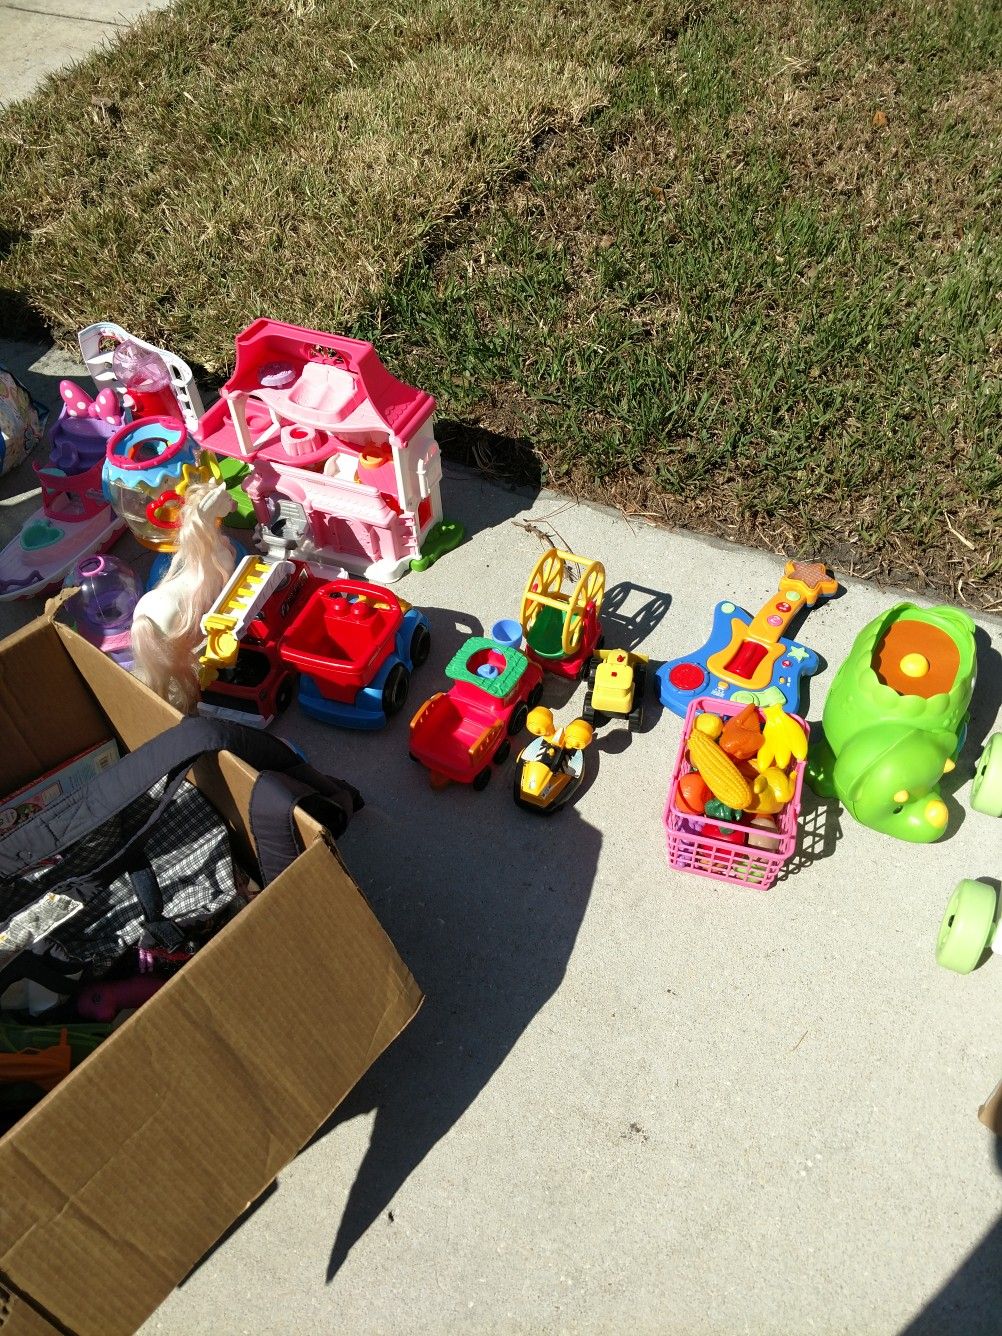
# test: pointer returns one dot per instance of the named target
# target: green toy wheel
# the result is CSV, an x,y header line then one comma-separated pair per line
x,y
986,791
968,926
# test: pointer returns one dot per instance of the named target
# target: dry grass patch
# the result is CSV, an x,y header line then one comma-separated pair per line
x,y
247,157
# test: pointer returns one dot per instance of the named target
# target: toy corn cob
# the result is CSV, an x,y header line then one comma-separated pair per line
x,y
721,776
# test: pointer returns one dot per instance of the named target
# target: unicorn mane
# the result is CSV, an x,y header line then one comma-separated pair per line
x,y
167,624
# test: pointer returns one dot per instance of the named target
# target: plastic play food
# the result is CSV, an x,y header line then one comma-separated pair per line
x,y
771,791
742,736
759,838
695,791
742,847
783,739
718,771
710,724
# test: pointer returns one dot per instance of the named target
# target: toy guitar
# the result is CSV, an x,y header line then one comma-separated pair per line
x,y
746,659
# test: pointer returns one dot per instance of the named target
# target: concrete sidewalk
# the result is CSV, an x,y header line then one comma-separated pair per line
x,y
634,1100
42,36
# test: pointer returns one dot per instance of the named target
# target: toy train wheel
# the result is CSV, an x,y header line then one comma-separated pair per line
x,y
534,696
986,791
395,689
589,589
547,578
967,927
420,645
285,693
502,753
481,781
518,717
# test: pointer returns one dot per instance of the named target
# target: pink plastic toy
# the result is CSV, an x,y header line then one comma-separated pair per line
x,y
710,848
347,471
134,368
74,519
103,1001
101,611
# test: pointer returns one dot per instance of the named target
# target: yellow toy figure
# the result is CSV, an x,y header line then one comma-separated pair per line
x,y
550,769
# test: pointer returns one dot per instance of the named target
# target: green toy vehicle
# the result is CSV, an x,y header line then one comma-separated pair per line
x,y
895,719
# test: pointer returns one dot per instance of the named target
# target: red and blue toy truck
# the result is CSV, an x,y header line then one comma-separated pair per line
x,y
355,645
458,734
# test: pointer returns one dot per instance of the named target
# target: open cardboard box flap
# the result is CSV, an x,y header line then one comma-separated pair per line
x,y
121,1178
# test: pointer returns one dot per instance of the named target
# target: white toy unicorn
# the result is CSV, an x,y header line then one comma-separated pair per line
x,y
167,623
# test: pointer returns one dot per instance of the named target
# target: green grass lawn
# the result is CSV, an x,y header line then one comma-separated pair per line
x,y
737,267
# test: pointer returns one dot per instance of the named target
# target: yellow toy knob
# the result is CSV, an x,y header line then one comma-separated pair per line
x,y
914,665
936,813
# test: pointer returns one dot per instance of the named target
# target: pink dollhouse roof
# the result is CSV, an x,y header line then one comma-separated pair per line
x,y
385,404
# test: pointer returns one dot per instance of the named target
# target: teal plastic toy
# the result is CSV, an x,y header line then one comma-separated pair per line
x,y
895,718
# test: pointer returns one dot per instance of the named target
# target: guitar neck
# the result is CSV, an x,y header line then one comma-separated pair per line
x,y
774,617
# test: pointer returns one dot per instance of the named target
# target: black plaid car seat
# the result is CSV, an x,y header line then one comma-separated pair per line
x,y
138,854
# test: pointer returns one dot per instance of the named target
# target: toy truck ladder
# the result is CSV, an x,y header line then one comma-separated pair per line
x,y
248,589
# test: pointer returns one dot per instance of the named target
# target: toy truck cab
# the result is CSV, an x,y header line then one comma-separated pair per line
x,y
356,645
617,680
458,734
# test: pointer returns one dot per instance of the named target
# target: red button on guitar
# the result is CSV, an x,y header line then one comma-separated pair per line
x,y
687,676
783,607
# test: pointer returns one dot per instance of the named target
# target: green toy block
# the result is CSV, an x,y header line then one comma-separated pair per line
x,y
515,662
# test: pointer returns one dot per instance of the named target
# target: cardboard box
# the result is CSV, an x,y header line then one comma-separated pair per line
x,y
115,1185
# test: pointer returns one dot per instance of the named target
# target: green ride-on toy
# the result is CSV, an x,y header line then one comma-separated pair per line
x,y
895,719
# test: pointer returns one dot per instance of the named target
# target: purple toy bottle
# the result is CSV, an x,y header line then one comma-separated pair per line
x,y
102,611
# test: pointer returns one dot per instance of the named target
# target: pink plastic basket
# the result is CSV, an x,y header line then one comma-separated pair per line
x,y
689,850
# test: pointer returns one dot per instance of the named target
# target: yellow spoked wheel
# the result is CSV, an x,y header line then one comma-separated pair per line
x,y
546,579
589,589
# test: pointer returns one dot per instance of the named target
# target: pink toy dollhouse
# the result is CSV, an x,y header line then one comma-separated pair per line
x,y
346,469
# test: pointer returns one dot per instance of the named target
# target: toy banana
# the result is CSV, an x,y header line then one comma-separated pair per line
x,y
784,740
